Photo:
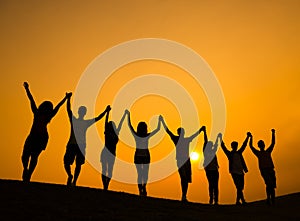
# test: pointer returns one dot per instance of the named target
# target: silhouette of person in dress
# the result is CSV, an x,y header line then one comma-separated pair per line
x,y
108,153
38,137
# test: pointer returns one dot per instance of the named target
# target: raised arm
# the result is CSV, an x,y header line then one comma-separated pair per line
x,y
102,114
196,133
129,123
29,95
271,147
205,138
226,151
251,145
167,129
243,147
121,123
216,144
69,111
55,110
158,127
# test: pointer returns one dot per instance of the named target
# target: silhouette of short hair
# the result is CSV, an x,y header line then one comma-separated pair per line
x,y
180,131
46,107
234,145
261,144
142,129
82,111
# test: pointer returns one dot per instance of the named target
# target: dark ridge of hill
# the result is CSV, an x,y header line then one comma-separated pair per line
x,y
42,201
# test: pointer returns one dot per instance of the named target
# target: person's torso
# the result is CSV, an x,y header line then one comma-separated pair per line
x,y
265,160
78,131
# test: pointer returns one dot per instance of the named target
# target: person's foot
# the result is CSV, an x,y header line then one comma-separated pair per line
x,y
184,199
69,181
25,175
216,204
211,201
244,203
238,203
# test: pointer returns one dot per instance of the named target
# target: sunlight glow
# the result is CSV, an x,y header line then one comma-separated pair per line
x,y
194,156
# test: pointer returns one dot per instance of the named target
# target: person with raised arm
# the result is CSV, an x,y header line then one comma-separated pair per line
x,y
266,166
182,144
76,146
211,167
237,167
38,137
108,154
142,154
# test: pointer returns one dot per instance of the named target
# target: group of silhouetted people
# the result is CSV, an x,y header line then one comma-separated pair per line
x,y
37,140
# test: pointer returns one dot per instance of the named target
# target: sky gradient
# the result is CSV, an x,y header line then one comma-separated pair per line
x,y
252,47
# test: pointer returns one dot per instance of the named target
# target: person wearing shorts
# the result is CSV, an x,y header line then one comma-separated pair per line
x,y
77,142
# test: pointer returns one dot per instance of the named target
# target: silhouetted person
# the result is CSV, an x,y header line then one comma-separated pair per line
x,y
183,156
211,167
237,167
77,141
37,139
142,154
266,166
108,153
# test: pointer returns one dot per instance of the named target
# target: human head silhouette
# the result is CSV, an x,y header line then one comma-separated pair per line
x,y
261,144
82,111
234,145
142,129
180,131
46,107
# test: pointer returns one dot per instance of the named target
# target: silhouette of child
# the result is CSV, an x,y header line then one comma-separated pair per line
x,y
108,153
237,167
142,154
266,166
182,156
77,142
211,167
37,139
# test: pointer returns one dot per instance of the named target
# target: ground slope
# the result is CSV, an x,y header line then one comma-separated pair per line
x,y
41,201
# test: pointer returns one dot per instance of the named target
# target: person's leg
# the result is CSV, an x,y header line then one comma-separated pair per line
x,y
68,171
184,188
76,173
32,164
236,181
139,177
110,166
145,177
25,160
210,185
104,172
216,186
241,188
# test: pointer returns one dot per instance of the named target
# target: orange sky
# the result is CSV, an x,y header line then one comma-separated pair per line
x,y
252,47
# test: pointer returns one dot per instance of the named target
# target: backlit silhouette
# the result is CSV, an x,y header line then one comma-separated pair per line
x,y
142,154
237,167
211,167
266,166
108,153
37,139
182,156
77,141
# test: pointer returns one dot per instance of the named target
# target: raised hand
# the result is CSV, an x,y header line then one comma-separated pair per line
x,y
108,108
68,95
249,134
26,85
273,130
127,111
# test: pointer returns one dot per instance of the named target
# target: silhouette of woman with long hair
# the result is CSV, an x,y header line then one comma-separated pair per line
x,y
76,146
266,166
37,139
211,167
108,153
182,144
142,154
237,166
